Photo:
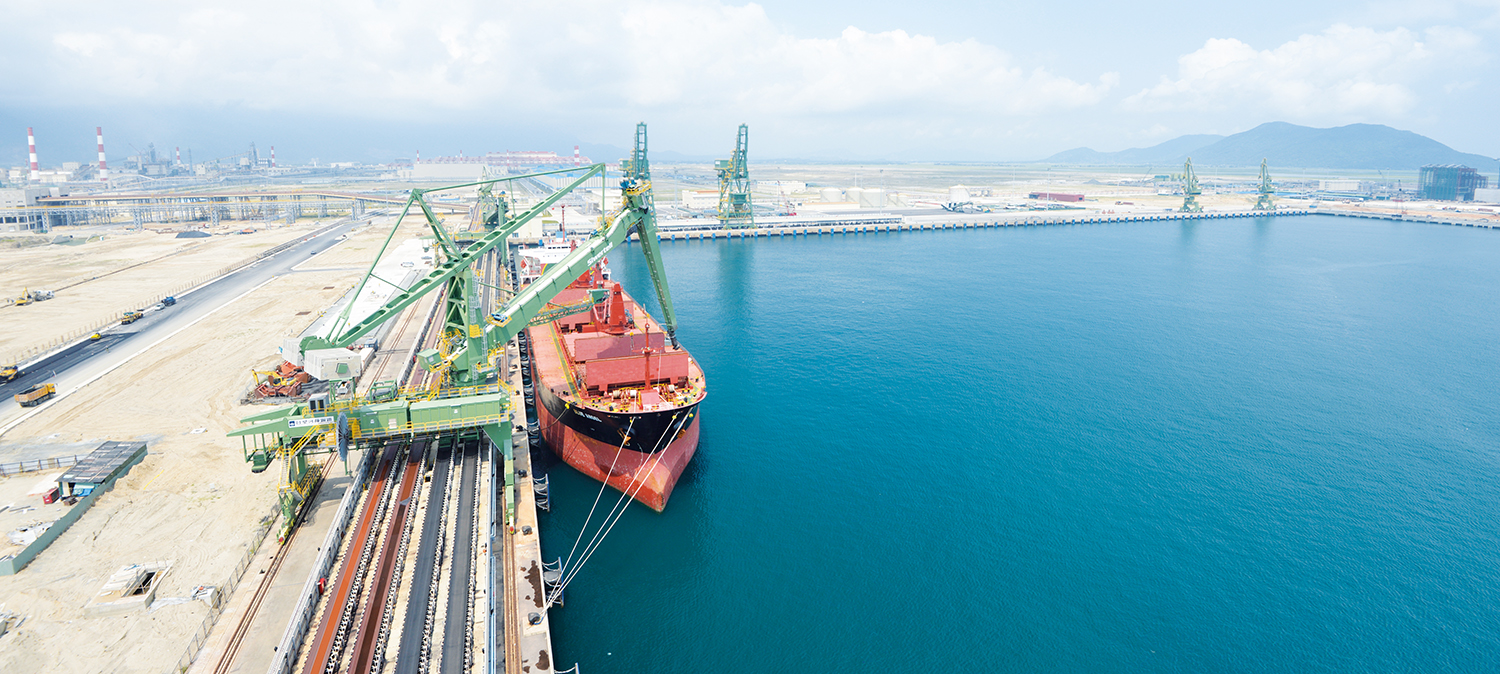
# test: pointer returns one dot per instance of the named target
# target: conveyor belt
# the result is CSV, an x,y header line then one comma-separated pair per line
x,y
334,619
456,632
369,643
417,631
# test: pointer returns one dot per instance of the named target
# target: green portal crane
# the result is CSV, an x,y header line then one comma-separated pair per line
x,y
470,342
735,208
1264,203
1190,190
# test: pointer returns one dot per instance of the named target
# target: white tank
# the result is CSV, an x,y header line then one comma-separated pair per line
x,y
831,194
872,198
958,194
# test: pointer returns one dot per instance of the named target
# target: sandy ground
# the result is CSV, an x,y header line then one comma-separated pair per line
x,y
192,501
83,306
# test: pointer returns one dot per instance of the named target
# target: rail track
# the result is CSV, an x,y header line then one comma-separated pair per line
x,y
364,620
268,579
338,615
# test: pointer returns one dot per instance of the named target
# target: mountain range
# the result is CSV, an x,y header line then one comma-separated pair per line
x,y
1356,146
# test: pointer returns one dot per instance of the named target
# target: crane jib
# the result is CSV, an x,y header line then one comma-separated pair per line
x,y
441,275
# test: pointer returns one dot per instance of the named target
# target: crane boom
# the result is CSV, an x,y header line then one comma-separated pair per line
x,y
636,215
442,273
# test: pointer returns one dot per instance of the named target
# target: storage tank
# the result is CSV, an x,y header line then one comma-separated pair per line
x,y
831,194
958,194
872,198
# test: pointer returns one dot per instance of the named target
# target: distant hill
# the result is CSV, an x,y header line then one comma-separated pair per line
x,y
1356,146
1169,152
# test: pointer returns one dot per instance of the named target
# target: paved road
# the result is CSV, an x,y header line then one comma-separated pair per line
x,y
80,364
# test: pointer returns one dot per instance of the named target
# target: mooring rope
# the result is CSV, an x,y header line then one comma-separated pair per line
x,y
602,485
613,518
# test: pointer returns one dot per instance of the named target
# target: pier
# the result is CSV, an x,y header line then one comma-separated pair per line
x,y
425,557
994,221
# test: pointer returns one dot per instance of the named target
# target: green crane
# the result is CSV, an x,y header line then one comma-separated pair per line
x,y
1264,203
466,344
471,341
637,215
492,210
1190,190
735,208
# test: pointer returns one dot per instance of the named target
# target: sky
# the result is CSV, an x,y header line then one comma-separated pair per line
x,y
874,80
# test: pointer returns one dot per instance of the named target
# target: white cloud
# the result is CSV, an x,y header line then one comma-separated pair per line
x,y
1341,72
404,58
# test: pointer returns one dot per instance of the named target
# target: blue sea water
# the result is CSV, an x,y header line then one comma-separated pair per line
x,y
1262,445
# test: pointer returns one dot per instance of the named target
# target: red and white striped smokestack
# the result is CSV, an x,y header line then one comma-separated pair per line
x,y
36,174
103,172
419,156
178,150
273,156
575,155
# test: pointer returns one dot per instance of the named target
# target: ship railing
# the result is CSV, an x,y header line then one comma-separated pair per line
x,y
572,378
540,488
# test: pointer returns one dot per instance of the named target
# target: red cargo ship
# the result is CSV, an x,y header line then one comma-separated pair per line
x,y
614,398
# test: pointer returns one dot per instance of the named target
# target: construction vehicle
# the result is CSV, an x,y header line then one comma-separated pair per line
x,y
9,373
286,380
131,317
36,395
28,296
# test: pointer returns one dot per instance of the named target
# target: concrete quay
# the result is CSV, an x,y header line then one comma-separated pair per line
x,y
528,644
935,223
990,220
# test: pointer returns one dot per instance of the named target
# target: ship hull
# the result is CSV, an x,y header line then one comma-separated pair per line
x,y
595,444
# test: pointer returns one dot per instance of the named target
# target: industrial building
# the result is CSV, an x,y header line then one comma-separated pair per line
x,y
18,208
509,162
1055,196
1450,182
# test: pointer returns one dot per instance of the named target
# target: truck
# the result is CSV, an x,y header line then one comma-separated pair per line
x,y
131,317
168,301
36,395
28,296
9,373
